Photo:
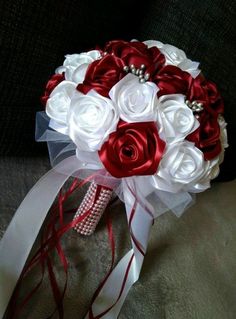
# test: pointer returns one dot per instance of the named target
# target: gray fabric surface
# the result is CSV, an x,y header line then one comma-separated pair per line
x,y
189,270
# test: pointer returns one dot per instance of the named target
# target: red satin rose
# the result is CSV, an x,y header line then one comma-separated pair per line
x,y
137,53
207,136
52,83
102,75
206,93
134,149
172,80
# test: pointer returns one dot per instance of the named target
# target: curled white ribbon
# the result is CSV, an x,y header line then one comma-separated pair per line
x,y
14,252
109,301
34,208
20,235
138,197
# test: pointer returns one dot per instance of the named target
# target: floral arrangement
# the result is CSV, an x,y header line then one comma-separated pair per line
x,y
137,119
140,109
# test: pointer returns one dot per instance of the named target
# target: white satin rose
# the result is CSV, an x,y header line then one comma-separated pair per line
x,y
174,118
76,65
211,171
175,56
58,105
90,159
180,169
135,101
91,118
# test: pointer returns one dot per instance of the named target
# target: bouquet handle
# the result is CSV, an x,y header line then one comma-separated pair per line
x,y
96,200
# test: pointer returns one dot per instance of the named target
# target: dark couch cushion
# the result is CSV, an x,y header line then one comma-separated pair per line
x,y
36,35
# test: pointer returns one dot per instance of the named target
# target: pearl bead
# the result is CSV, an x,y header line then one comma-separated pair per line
x,y
126,68
142,80
142,66
146,76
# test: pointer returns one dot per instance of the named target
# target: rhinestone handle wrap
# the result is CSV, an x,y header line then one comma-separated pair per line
x,y
96,200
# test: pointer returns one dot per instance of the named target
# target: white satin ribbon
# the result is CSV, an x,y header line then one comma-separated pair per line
x,y
108,296
20,235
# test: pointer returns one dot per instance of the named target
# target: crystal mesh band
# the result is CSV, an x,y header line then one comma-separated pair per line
x,y
95,200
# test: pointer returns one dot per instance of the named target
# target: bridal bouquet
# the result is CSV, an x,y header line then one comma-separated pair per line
x,y
137,119
140,109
